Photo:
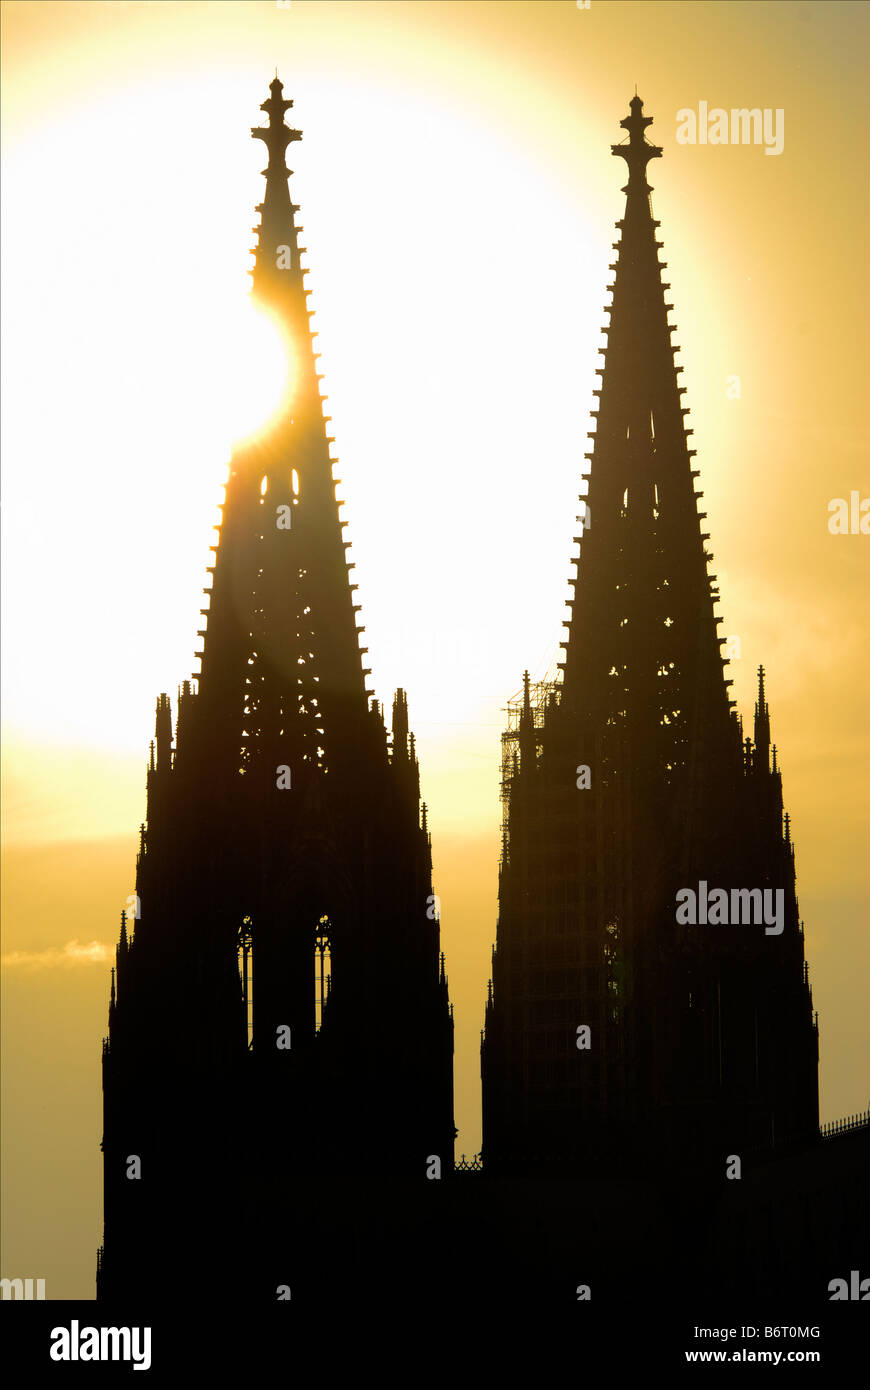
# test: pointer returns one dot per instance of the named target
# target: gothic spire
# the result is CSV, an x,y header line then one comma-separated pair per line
x,y
623,786
278,825
642,652
282,674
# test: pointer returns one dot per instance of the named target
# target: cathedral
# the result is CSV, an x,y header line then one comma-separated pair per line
x,y
278,1070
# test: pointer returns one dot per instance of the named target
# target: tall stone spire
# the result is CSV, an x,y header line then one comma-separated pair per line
x,y
282,623
613,1034
280,832
643,649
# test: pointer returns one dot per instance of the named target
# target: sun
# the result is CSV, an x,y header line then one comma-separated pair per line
x,y
251,372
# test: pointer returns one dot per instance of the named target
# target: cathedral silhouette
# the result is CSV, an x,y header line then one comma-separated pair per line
x,y
284,877
623,783
277,1076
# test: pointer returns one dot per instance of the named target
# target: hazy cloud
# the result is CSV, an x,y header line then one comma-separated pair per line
x,y
73,953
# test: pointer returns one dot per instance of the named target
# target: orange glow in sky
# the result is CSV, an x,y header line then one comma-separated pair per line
x,y
458,197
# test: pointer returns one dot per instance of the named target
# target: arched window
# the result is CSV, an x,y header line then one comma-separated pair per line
x,y
246,975
322,970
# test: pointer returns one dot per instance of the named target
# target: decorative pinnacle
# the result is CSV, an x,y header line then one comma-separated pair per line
x,y
638,152
762,703
276,136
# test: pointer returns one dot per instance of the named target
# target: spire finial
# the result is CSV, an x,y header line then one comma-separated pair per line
x,y
638,152
276,136
277,249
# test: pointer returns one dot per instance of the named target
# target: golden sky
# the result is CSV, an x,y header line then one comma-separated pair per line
x,y
458,197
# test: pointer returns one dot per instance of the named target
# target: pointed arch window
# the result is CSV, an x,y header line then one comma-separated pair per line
x,y
246,975
322,970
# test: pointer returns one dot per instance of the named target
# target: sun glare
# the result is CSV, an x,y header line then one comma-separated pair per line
x,y
248,371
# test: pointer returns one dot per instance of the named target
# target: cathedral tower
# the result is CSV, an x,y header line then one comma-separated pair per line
x,y
281,1005
619,1031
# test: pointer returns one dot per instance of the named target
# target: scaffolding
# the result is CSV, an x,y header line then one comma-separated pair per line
x,y
542,696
